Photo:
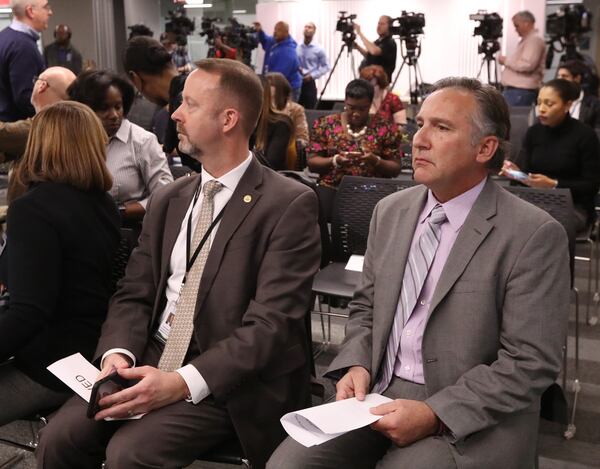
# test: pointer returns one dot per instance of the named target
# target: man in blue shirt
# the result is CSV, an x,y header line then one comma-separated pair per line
x,y
313,65
280,55
20,59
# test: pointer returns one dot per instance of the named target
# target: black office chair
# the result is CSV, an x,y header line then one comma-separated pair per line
x,y
559,204
354,203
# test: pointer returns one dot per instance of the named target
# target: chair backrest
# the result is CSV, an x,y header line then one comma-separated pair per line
x,y
313,114
126,245
519,123
558,203
353,207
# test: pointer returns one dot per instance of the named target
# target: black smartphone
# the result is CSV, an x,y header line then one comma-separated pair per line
x,y
103,387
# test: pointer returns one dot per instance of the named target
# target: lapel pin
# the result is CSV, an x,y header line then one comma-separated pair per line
x,y
247,199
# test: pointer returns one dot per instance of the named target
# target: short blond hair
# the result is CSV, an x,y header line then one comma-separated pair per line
x,y
66,144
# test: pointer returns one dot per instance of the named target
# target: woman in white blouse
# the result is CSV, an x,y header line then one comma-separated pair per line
x,y
134,157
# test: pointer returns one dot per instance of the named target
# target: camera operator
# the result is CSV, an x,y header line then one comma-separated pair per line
x,y
280,55
223,51
382,51
178,50
524,68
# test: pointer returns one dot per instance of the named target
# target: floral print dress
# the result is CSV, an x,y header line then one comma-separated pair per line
x,y
330,137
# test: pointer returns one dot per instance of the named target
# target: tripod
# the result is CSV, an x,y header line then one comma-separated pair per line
x,y
488,48
410,48
348,46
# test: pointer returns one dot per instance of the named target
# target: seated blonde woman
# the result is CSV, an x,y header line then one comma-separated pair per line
x,y
63,233
385,103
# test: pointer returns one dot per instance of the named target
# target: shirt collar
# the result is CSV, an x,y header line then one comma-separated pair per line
x,y
456,209
579,99
231,179
123,132
17,25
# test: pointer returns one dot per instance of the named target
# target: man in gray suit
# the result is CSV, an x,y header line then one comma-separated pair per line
x,y
462,309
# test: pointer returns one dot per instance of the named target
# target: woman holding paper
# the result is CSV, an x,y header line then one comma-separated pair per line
x,y
62,237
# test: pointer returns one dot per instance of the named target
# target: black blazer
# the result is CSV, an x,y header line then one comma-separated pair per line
x,y
61,243
589,113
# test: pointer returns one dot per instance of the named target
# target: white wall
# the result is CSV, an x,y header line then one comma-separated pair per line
x,y
143,12
448,45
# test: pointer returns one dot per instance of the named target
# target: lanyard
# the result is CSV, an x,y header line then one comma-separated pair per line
x,y
189,262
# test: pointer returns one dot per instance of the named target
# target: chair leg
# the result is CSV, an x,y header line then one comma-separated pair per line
x,y
591,259
593,320
576,388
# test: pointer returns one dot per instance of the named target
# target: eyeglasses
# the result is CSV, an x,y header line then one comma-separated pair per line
x,y
36,78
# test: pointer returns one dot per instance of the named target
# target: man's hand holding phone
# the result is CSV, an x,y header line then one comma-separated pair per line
x,y
150,389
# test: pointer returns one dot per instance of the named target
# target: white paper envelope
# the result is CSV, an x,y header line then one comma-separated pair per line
x,y
355,263
316,425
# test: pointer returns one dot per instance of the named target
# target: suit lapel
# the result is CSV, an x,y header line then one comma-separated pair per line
x,y
237,209
475,229
173,219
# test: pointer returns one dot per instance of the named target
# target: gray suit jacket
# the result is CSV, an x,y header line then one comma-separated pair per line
x,y
496,325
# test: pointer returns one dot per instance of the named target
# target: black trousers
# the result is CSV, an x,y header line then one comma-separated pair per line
x,y
308,94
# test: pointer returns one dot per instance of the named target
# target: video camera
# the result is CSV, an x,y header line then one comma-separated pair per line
x,y
180,25
490,25
241,36
570,21
210,29
408,25
345,25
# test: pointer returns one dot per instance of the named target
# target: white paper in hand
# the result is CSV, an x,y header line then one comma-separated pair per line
x,y
80,375
319,424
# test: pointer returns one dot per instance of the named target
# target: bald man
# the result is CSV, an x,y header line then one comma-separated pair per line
x,y
61,52
49,88
20,57
280,55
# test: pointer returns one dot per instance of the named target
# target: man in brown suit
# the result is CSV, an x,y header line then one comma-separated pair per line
x,y
246,363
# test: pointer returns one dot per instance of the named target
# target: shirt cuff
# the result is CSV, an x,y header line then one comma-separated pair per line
x,y
195,383
123,351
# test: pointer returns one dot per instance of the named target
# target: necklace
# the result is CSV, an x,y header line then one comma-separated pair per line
x,y
358,134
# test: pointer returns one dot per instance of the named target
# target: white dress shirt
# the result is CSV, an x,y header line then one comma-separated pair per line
x,y
196,384
575,109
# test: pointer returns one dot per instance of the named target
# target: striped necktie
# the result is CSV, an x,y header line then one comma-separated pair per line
x,y
415,273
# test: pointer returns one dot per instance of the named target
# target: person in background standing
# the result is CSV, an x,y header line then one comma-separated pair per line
x,y
20,59
61,53
313,65
524,68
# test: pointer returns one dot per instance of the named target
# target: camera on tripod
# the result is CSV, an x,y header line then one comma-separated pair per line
x,y
408,25
210,29
179,25
490,25
569,22
345,25
490,30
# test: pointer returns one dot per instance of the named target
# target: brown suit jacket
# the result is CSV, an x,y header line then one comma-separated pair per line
x,y
252,303
13,138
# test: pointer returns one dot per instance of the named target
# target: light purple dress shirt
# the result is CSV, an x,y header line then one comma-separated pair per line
x,y
409,362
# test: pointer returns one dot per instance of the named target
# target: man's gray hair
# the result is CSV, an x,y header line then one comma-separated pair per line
x,y
525,15
491,117
18,6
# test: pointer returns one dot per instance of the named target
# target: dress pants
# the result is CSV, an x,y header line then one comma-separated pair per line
x,y
308,94
169,437
519,96
365,448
